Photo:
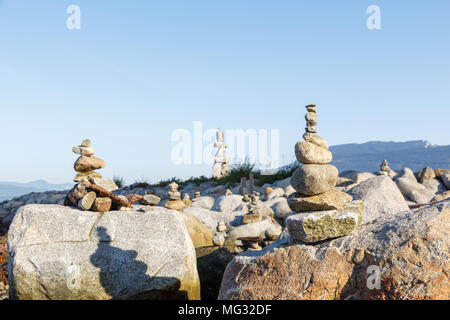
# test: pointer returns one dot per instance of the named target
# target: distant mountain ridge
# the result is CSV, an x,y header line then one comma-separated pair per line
x,y
9,190
412,154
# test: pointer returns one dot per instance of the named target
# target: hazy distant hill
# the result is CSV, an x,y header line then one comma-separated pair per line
x,y
9,190
412,154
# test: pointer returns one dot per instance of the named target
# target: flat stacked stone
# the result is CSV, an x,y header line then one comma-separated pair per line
x,y
321,212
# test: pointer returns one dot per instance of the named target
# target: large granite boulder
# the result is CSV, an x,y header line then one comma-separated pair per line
x,y
380,196
61,253
408,253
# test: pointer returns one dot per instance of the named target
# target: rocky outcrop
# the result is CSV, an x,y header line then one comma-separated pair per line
x,y
408,253
380,196
60,253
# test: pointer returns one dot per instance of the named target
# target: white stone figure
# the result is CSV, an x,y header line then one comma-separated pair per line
x,y
221,165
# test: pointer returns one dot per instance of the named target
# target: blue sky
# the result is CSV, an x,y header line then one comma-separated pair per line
x,y
138,70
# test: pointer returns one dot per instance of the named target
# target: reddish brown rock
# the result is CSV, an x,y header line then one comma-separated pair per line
x,y
410,249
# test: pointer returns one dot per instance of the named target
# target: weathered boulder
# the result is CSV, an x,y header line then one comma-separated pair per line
x,y
315,226
312,179
60,253
409,187
435,186
227,203
410,250
380,196
212,218
200,234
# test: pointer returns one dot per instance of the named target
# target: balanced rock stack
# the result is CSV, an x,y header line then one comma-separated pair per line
x,y
384,169
92,192
175,202
87,163
321,212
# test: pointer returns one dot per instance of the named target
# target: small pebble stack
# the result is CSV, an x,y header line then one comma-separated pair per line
x,y
87,163
84,195
384,169
322,211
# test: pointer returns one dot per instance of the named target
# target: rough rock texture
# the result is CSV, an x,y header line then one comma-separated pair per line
x,y
329,200
411,251
311,153
63,253
312,179
200,234
409,187
316,226
380,196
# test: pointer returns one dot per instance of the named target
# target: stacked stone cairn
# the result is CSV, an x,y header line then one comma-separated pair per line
x,y
254,212
87,163
92,192
320,211
175,202
221,167
384,169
